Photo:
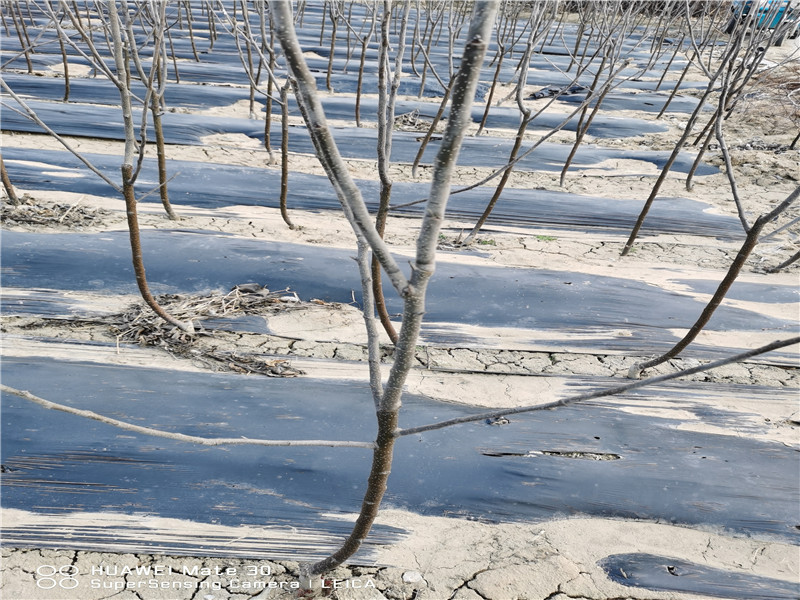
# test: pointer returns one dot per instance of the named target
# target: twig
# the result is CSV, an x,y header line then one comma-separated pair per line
x,y
71,208
181,437
780,229
35,118
793,258
601,393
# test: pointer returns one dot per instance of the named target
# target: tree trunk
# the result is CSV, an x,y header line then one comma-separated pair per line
x,y
413,290
12,195
285,154
136,252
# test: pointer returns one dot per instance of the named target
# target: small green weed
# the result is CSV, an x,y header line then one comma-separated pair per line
x,y
546,238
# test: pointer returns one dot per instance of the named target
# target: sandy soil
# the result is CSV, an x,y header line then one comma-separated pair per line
x,y
445,557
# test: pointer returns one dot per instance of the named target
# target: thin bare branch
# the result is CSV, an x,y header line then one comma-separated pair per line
x,y
792,259
31,114
181,437
602,393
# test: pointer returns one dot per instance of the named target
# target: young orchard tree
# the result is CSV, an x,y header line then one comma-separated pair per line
x,y
734,85
448,87
129,175
29,46
536,32
609,47
387,397
267,42
335,9
243,34
15,12
738,63
506,39
702,37
123,50
434,11
613,24
364,40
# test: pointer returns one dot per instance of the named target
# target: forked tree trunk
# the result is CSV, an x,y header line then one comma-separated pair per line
x,y
388,399
155,84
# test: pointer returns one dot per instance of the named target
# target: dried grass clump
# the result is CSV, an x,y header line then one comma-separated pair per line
x,y
38,213
142,326
412,121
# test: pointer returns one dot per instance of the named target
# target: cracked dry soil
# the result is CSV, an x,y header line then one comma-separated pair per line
x,y
506,561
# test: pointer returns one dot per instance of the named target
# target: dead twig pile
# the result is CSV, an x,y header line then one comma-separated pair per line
x,y
34,212
140,325
412,121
